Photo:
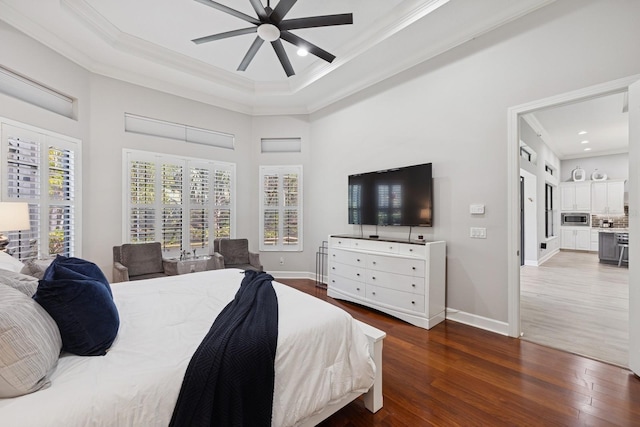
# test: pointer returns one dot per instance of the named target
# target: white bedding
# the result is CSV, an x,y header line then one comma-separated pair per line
x,y
322,356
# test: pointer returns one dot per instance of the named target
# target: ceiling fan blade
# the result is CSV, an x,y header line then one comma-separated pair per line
x,y
316,21
230,11
309,47
281,10
225,35
282,56
259,8
250,54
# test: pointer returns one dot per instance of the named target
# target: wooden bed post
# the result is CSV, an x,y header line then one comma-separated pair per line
x,y
373,398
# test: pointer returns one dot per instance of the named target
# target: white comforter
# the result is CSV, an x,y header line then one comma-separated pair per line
x,y
322,355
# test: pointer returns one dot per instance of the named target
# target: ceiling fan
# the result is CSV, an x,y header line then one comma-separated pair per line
x,y
272,27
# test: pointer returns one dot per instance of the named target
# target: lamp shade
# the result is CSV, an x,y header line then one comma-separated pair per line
x,y
14,216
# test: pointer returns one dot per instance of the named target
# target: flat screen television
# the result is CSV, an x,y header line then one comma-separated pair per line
x,y
400,196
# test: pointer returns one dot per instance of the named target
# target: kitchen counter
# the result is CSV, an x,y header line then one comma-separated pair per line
x,y
611,230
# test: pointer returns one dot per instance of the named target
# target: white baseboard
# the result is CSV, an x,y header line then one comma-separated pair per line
x,y
292,275
539,262
485,323
548,256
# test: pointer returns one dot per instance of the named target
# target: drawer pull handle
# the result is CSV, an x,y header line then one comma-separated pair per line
x,y
358,274
374,263
411,250
373,277
357,289
413,285
373,293
413,302
413,268
358,260
333,268
333,281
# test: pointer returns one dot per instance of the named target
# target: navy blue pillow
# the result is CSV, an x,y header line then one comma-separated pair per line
x,y
77,295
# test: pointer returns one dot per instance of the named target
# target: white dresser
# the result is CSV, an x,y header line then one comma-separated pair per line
x,y
405,280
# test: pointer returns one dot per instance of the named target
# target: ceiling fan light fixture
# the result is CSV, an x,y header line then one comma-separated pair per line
x,y
303,52
268,32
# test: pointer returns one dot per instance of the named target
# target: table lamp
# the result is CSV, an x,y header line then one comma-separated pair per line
x,y
13,217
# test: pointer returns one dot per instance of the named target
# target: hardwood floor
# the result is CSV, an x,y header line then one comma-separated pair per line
x,y
574,303
458,375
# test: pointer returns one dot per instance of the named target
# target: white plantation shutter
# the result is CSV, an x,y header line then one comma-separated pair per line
x,y
142,212
222,198
172,192
178,201
199,184
40,168
281,208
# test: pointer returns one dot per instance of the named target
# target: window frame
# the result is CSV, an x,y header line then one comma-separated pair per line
x,y
280,172
40,205
549,223
186,205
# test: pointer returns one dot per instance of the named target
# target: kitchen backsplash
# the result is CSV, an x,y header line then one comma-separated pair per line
x,y
618,221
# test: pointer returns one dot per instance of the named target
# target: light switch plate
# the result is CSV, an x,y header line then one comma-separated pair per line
x,y
478,233
476,209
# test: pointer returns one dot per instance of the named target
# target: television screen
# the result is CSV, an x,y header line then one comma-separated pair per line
x,y
400,196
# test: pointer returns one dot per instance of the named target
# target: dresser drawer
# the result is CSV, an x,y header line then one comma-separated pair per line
x,y
347,286
399,282
376,246
406,266
347,271
348,257
412,250
397,299
339,242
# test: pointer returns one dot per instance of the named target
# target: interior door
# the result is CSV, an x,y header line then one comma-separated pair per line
x,y
634,227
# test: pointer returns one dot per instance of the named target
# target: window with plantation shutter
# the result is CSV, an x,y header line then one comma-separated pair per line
x,y
41,168
281,208
184,203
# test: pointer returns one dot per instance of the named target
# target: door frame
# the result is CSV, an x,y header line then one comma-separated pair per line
x,y
513,181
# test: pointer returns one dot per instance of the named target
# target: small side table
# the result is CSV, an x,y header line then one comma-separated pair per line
x,y
176,266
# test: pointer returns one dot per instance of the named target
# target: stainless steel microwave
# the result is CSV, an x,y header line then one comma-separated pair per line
x,y
577,219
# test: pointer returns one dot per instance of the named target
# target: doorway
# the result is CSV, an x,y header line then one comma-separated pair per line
x,y
514,229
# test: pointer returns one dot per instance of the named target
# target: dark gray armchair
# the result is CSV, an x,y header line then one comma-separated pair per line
x,y
137,261
235,254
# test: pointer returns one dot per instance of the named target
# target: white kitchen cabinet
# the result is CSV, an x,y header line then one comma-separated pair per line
x,y
595,240
575,196
607,197
575,238
405,280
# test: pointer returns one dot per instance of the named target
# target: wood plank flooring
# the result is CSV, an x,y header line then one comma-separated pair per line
x,y
574,303
458,375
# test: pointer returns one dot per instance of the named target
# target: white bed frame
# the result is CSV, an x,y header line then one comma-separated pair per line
x,y
373,397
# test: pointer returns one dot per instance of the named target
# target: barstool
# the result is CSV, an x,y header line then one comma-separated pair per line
x,y
622,248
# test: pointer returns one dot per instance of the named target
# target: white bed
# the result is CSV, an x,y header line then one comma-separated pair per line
x,y
162,321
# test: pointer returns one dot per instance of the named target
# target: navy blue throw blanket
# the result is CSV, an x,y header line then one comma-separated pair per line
x,y
230,378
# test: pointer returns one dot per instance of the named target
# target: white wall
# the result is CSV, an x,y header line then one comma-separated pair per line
x,y
111,99
544,157
616,166
452,111
285,127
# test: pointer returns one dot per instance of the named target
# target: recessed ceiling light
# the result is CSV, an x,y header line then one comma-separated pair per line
x,y
582,132
586,141
302,52
587,149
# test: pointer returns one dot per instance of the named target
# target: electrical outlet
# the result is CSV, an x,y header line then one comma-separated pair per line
x,y
281,260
